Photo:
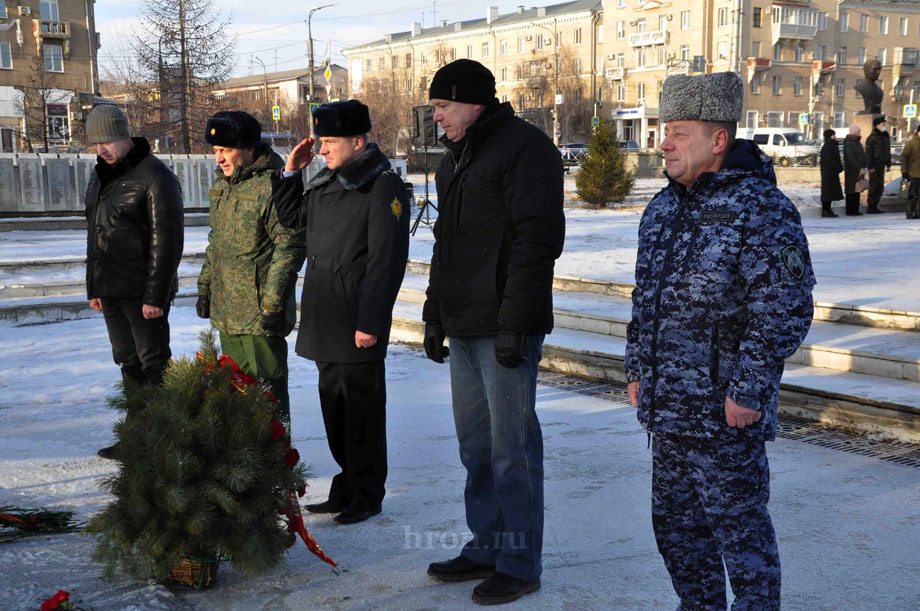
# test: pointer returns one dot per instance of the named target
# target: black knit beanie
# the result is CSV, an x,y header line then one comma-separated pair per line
x,y
464,81
828,133
878,120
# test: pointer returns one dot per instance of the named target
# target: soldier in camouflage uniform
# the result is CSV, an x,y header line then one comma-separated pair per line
x,y
723,296
246,285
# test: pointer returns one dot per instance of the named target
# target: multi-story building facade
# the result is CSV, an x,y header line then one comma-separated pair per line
x,y
801,59
48,72
288,89
544,61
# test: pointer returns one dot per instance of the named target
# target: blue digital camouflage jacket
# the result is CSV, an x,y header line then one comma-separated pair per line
x,y
722,297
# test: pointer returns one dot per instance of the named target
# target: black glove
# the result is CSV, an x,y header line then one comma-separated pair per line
x,y
509,348
434,342
273,322
203,307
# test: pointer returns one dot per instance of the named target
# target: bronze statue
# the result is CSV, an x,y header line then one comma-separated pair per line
x,y
868,88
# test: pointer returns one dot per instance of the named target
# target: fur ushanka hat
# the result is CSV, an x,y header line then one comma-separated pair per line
x,y
716,97
348,118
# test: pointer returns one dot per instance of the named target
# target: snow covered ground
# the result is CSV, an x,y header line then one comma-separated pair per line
x,y
848,525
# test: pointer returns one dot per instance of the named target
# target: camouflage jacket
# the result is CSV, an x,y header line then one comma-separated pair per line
x,y
722,297
251,261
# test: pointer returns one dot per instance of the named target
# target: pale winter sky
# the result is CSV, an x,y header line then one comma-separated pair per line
x,y
278,35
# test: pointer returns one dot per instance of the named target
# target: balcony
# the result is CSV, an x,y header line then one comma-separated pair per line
x,y
905,56
647,39
759,64
45,29
615,74
823,67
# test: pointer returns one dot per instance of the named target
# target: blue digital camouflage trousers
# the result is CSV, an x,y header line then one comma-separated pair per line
x,y
709,504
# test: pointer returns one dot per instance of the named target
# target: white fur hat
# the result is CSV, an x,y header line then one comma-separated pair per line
x,y
716,97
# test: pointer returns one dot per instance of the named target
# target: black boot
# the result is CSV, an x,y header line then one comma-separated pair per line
x,y
826,211
460,568
501,588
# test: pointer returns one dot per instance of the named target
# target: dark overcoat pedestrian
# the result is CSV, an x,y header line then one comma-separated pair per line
x,y
831,167
854,160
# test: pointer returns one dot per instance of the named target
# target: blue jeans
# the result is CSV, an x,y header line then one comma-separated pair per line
x,y
501,446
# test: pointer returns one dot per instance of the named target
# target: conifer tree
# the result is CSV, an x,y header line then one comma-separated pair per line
x,y
603,178
205,472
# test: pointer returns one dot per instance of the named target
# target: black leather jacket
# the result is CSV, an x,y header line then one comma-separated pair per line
x,y
135,228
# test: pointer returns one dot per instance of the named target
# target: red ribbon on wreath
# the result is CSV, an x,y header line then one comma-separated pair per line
x,y
241,380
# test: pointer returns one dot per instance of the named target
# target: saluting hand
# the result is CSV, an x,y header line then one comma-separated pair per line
x,y
738,416
301,156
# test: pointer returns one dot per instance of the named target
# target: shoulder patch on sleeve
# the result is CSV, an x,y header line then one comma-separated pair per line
x,y
794,260
396,207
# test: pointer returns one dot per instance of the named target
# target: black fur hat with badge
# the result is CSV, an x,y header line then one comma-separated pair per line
x,y
233,129
348,118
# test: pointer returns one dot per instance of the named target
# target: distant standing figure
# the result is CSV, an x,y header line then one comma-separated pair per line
x,y
878,159
910,170
133,249
831,167
854,164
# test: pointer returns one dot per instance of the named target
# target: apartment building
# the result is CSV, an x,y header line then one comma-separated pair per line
x,y
800,59
48,72
544,60
288,89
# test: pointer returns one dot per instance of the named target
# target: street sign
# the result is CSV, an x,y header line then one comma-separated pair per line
x,y
276,113
910,111
803,118
313,108
595,121
328,87
559,98
335,100
328,74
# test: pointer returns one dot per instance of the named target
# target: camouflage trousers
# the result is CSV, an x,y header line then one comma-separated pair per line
x,y
709,505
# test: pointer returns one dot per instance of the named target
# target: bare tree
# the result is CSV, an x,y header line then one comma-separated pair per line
x,y
38,95
184,47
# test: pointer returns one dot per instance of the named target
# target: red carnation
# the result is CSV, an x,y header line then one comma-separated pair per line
x,y
277,429
54,601
291,458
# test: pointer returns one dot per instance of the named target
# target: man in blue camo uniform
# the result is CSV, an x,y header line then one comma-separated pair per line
x,y
723,296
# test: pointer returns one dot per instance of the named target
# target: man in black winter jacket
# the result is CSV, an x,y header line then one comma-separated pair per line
x,y
499,231
878,159
134,244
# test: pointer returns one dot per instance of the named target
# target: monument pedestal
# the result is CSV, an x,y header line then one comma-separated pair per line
x,y
864,121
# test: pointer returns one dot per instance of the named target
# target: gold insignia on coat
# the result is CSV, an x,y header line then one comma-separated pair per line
x,y
396,207
213,131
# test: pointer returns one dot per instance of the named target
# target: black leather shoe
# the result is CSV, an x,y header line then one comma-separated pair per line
x,y
328,506
501,588
353,515
828,214
460,568
874,211
109,453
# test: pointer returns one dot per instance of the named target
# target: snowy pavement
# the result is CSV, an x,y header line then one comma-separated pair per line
x,y
848,525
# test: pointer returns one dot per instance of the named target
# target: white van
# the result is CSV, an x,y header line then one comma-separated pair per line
x,y
786,145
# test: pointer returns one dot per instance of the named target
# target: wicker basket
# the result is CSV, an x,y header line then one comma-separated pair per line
x,y
196,572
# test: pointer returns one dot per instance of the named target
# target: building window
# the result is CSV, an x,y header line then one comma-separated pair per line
x,y
840,119
862,56
394,61
368,65
621,30
661,57
882,55
723,17
863,23
621,93
539,41
54,57
751,121
663,22
777,85
424,58
685,20
2,10
822,52
49,10
577,36
778,51
408,60
621,60
453,54
578,96
469,51
799,53
423,83
521,44
641,92
382,62
797,86
775,119
883,25
842,55
902,30
640,58
576,65
558,39
722,50
621,3
640,25
504,74
757,17
822,21
685,52
6,57
844,21
839,87
485,49
58,123
755,84
520,101
755,48
819,89
503,47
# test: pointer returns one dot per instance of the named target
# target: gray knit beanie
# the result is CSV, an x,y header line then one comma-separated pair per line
x,y
716,97
107,124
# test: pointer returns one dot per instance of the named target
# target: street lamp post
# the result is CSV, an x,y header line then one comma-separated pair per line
x,y
310,51
265,81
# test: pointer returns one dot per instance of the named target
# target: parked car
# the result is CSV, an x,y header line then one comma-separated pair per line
x,y
787,145
573,152
896,153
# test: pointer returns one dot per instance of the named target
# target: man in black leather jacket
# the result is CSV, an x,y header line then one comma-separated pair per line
x,y
134,244
499,231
